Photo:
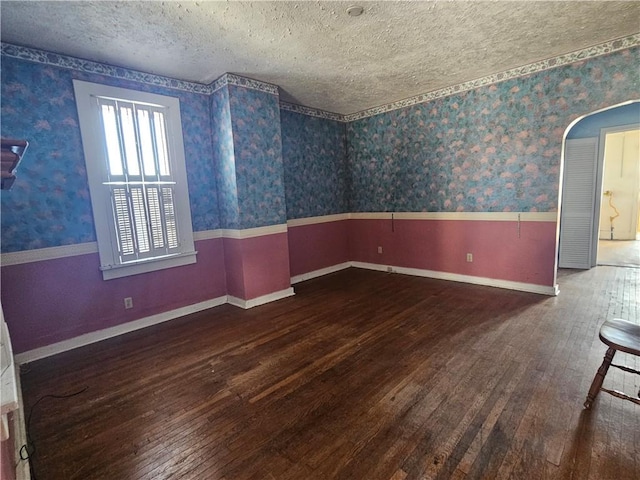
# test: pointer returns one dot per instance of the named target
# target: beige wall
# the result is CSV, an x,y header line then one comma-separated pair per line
x,y
622,179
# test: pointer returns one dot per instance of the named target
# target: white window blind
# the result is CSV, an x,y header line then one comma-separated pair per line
x,y
135,162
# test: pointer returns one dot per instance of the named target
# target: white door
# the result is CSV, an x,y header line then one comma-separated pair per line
x,y
578,203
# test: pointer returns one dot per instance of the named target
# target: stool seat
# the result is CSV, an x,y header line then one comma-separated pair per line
x,y
621,335
618,335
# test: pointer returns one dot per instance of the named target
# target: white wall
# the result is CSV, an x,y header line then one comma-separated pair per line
x,y
622,179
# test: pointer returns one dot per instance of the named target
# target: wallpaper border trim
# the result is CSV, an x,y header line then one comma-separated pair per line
x,y
311,112
123,73
89,66
239,81
524,70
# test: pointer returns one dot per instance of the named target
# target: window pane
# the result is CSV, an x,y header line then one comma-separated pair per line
x,y
110,126
129,139
161,143
146,142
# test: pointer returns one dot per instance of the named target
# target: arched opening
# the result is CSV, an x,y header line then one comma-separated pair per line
x,y
586,143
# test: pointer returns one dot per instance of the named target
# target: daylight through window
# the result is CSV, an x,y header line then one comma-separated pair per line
x,y
136,167
139,179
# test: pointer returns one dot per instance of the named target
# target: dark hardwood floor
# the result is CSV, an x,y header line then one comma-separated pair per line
x,y
360,375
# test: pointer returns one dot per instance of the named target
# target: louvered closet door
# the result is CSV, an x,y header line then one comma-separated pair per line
x,y
578,203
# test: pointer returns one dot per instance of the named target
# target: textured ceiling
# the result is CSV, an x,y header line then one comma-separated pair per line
x,y
317,54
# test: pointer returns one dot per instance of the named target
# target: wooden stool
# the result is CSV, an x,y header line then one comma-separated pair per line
x,y
618,335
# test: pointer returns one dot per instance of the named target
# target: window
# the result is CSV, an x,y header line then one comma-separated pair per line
x,y
137,178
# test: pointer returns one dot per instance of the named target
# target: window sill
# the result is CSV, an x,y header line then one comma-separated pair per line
x,y
150,265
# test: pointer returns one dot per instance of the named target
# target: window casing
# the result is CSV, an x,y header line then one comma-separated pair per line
x,y
134,155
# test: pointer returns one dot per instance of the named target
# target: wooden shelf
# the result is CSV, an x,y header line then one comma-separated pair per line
x,y
12,152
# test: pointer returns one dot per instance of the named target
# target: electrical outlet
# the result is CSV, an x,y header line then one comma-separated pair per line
x,y
379,249
128,302
469,257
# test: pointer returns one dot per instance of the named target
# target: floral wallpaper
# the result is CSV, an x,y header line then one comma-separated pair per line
x,y
255,120
49,204
315,167
495,148
224,158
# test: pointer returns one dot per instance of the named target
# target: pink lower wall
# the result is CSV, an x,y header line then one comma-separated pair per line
x,y
499,252
257,266
49,301
53,300
317,246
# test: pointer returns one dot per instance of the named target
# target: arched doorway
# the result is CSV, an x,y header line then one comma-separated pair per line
x,y
581,196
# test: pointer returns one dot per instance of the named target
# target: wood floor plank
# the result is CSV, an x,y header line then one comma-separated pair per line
x,y
471,442
543,428
360,375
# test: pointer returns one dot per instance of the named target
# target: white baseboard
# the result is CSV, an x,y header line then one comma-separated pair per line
x,y
254,302
320,272
456,277
93,337
372,266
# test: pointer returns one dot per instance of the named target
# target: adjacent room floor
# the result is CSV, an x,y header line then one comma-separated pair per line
x,y
360,375
621,253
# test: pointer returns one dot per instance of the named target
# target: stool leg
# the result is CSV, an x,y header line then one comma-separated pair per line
x,y
599,378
